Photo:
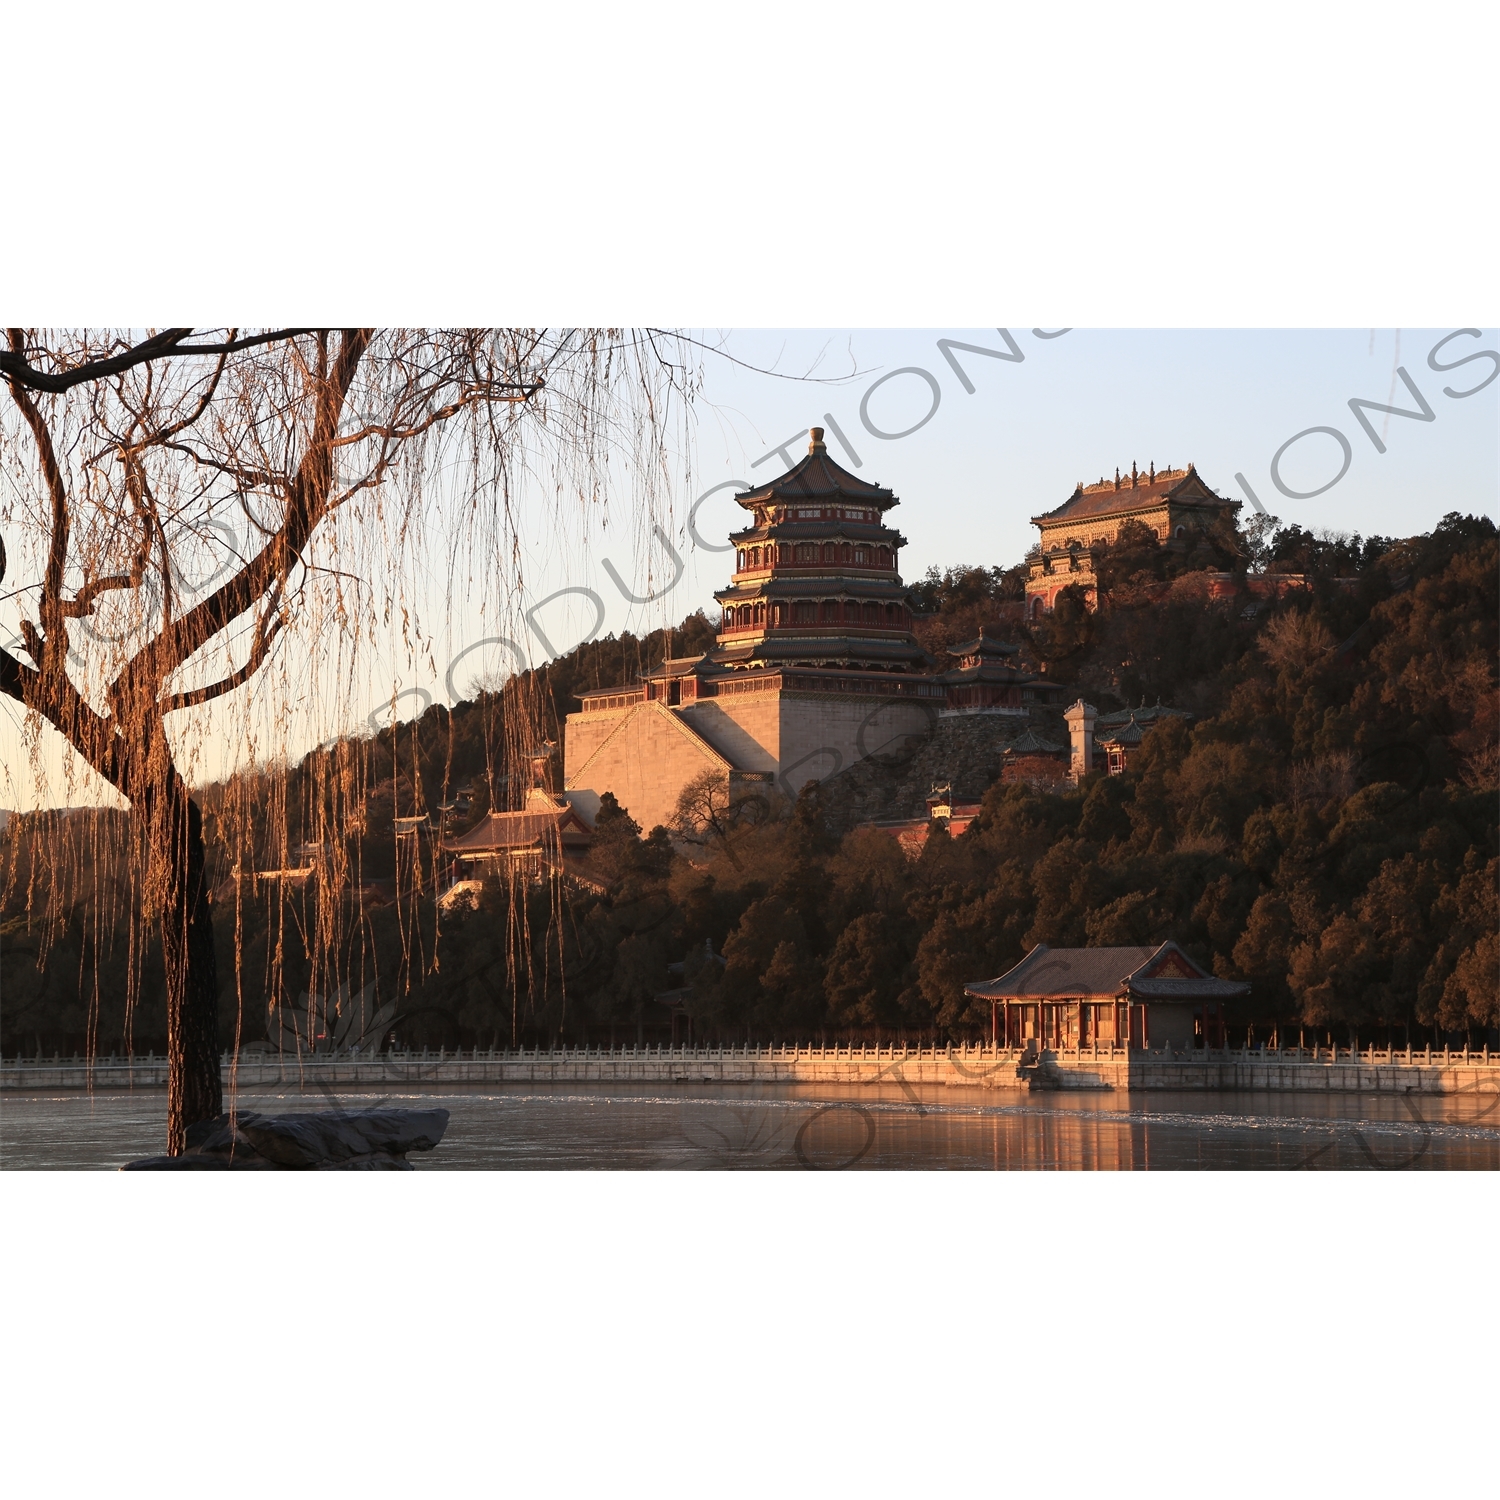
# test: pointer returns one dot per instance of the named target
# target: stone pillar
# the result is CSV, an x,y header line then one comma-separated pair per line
x,y
1081,729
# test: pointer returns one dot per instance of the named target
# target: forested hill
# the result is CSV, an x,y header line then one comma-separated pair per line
x,y
1325,827
1155,637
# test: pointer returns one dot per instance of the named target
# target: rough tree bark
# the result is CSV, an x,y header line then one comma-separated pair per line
x,y
194,1088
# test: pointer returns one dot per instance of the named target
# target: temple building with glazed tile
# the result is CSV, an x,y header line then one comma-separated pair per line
x,y
1173,503
814,666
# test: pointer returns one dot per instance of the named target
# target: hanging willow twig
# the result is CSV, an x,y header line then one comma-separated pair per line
x,y
358,456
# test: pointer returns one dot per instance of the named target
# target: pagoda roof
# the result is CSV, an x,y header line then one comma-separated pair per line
x,y
1119,495
782,647
782,585
1143,716
1161,972
802,531
1129,733
983,645
1032,743
817,477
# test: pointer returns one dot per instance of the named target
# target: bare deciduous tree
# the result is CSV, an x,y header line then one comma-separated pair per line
x,y
343,453
703,809
1295,639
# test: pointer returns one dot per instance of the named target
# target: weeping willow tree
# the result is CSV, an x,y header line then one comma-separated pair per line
x,y
350,459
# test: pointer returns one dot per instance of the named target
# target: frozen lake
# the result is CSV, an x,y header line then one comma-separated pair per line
x,y
828,1127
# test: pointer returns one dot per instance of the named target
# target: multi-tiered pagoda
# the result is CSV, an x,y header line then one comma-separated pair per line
x,y
815,665
816,581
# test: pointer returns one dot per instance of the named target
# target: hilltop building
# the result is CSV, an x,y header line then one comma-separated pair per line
x,y
1175,503
814,667
1119,735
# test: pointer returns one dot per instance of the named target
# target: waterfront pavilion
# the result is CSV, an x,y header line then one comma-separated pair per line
x,y
1061,999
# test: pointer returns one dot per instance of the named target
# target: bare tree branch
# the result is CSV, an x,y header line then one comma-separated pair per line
x,y
273,563
82,603
265,636
17,680
165,345
50,608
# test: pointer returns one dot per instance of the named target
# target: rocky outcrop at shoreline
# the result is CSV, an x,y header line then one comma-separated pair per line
x,y
363,1140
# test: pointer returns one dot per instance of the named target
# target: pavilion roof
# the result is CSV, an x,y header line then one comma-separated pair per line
x,y
1116,496
676,666
1129,733
543,821
1143,716
1032,743
1159,972
985,671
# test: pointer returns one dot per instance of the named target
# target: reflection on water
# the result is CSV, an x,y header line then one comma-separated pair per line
x,y
828,1127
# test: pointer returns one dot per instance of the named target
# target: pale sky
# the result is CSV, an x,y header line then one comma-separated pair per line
x,y
1072,408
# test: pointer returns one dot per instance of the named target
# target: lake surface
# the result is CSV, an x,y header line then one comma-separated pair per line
x,y
824,1127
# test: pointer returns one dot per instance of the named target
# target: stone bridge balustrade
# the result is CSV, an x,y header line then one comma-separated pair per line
x,y
1290,1069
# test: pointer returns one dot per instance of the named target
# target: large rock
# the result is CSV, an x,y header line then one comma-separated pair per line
x,y
364,1140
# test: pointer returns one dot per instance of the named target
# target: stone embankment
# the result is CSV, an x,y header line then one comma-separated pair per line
x,y
1370,1070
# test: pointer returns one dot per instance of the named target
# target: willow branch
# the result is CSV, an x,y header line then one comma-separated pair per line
x,y
17,680
57,554
250,478
265,636
171,431
389,433
166,345
306,507
83,602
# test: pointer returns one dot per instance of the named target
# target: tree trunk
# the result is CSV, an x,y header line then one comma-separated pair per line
x,y
194,1090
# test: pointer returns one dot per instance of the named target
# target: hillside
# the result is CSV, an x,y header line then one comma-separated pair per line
x,y
1325,827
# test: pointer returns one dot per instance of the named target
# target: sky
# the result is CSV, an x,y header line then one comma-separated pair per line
x,y
975,467
974,444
